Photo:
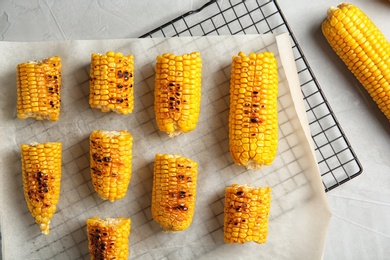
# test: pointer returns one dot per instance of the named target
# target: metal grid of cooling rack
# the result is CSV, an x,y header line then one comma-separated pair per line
x,y
337,161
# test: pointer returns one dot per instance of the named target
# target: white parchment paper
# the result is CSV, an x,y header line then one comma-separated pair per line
x,y
299,212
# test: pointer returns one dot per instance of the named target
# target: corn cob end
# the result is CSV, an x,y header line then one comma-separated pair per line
x,y
331,10
45,228
175,132
252,165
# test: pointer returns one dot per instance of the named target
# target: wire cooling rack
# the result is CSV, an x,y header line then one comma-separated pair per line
x,y
337,161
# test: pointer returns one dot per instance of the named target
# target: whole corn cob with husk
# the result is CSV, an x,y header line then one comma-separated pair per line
x,y
41,170
111,163
177,92
363,48
108,238
246,214
253,115
38,89
174,191
111,82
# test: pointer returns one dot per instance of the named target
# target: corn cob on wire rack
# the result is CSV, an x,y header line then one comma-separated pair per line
x,y
337,160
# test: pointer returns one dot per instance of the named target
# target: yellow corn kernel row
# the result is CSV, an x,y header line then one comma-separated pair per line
x,y
363,48
111,163
174,191
41,171
246,214
108,238
38,89
253,115
111,82
177,92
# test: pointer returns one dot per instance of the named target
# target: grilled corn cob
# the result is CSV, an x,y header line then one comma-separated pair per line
x,y
38,89
253,115
41,170
177,92
111,163
363,48
108,238
111,82
246,214
174,191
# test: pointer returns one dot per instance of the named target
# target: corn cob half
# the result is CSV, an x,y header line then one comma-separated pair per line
x,y
177,92
111,82
253,115
38,89
111,163
174,191
363,48
246,214
41,170
108,238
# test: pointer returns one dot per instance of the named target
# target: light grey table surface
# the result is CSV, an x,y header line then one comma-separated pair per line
x,y
360,226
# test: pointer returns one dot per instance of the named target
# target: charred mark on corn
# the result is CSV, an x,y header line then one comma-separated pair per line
x,y
107,159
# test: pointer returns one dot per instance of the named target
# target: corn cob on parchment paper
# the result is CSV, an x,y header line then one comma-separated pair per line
x,y
297,191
